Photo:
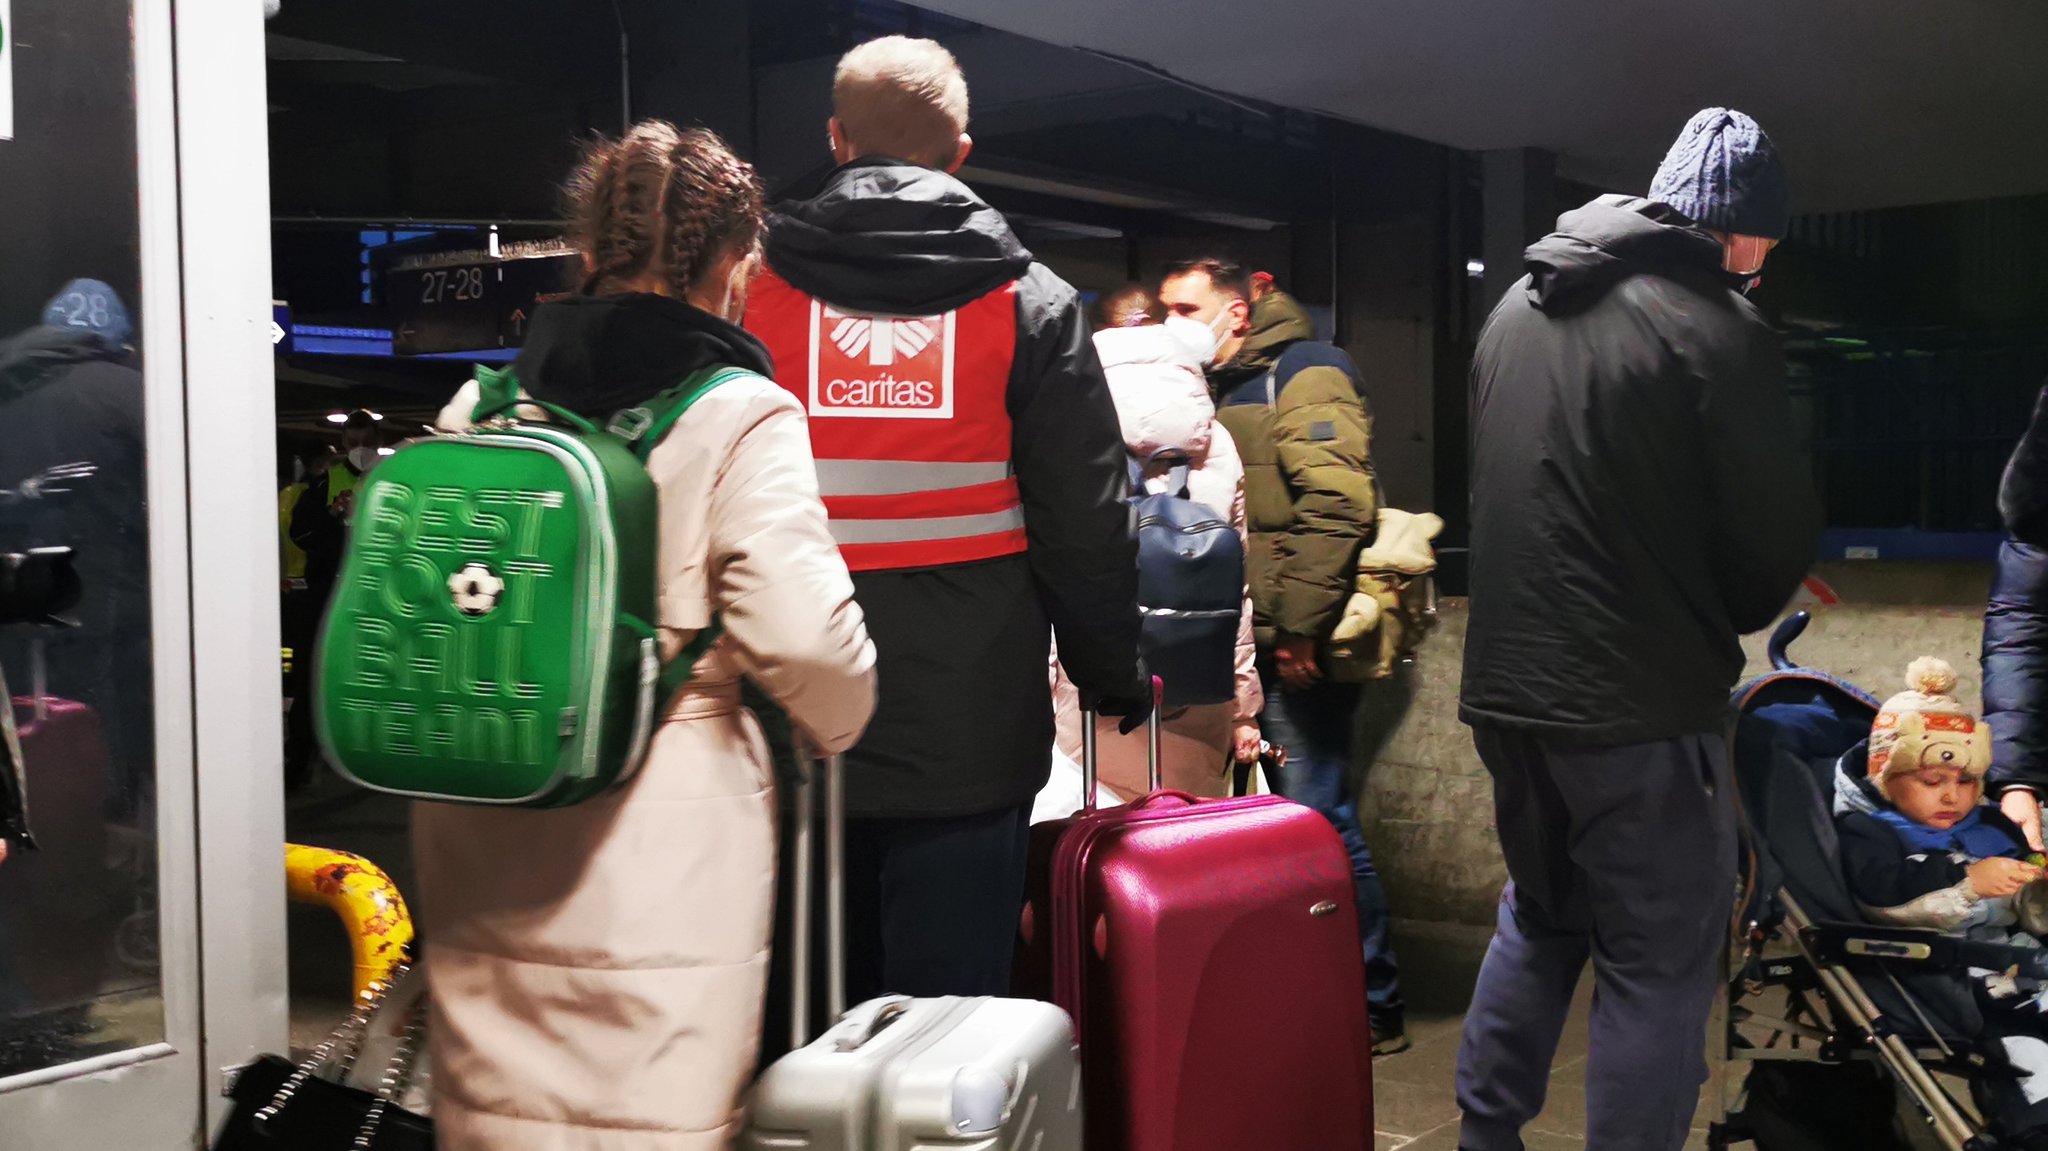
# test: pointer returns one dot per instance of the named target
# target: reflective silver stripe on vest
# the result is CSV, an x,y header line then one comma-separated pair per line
x,y
902,477
853,532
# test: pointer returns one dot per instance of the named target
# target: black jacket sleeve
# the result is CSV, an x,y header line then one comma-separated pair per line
x,y
1069,456
2016,667
309,514
2016,618
1879,872
1765,515
2023,496
318,532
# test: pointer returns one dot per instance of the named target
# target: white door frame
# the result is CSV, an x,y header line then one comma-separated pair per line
x,y
231,434
204,200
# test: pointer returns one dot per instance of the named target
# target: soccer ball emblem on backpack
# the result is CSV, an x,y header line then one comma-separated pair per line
x,y
476,589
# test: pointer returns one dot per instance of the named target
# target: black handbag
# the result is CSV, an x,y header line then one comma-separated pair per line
x,y
310,1107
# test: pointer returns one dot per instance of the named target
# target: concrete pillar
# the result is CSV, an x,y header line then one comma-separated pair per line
x,y
1386,320
1520,207
1386,269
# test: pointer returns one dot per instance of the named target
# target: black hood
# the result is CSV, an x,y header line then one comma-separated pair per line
x,y
598,355
885,236
2023,493
34,357
1609,240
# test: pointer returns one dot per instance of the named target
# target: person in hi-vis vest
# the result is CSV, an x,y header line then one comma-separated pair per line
x,y
320,520
319,529
972,467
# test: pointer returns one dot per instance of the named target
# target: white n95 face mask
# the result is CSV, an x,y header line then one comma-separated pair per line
x,y
1195,338
362,458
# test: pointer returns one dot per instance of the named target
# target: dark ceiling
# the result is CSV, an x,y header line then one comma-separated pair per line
x,y
1876,103
472,108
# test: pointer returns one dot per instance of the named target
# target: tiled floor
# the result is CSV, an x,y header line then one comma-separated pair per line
x,y
1413,1093
1415,1102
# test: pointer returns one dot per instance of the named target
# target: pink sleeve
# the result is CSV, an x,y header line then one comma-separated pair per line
x,y
1224,458
1250,699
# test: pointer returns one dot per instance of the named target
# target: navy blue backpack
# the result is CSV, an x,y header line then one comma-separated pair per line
x,y
1190,589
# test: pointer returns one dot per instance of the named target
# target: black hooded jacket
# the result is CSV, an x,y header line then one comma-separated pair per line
x,y
2016,619
66,397
69,397
599,355
1639,499
964,724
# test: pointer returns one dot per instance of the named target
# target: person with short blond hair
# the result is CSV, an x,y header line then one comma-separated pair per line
x,y
901,98
973,471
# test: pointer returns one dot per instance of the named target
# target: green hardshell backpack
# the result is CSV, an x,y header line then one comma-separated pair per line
x,y
491,638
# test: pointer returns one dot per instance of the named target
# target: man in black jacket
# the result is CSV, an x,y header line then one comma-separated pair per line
x,y
973,470
1638,502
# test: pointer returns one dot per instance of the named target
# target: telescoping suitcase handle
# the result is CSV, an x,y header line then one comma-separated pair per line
x,y
1088,767
830,771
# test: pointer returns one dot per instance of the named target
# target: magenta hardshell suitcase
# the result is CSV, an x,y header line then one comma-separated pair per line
x,y
59,898
1208,951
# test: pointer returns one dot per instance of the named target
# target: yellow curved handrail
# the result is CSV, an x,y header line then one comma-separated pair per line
x,y
365,899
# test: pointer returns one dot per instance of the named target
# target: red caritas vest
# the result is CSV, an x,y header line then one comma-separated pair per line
x,y
909,423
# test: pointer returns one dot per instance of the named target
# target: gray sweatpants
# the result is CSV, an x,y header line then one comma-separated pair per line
x,y
1625,855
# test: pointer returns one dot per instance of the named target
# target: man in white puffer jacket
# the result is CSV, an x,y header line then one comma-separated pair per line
x,y
1162,403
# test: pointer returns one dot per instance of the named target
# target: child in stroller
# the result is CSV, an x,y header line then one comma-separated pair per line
x,y
1920,848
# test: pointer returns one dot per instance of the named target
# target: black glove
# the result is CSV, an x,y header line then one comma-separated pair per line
x,y
1133,705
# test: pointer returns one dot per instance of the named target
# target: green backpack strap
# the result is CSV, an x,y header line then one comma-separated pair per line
x,y
644,427
676,672
498,393
496,388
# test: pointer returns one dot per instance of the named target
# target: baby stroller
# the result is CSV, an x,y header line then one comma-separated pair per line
x,y
1833,1017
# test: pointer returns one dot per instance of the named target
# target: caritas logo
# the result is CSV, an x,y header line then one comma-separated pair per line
x,y
888,367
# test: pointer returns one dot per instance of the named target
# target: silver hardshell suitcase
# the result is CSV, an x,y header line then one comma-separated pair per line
x,y
899,1074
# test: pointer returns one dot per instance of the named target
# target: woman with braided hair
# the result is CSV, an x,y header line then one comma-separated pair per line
x,y
597,971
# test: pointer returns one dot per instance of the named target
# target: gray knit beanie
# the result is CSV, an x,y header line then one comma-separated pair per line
x,y
1723,173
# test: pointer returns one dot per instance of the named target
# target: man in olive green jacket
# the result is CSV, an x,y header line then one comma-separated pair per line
x,y
1296,409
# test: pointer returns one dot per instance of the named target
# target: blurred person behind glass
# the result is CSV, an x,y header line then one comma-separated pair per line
x,y
72,475
319,530
71,468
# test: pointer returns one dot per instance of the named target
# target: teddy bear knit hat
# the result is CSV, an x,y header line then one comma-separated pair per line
x,y
1928,708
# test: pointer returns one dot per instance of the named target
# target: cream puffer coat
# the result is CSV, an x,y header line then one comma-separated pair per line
x,y
1163,404
597,971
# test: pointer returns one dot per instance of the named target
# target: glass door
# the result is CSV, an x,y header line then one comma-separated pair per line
x,y
112,1031
98,961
